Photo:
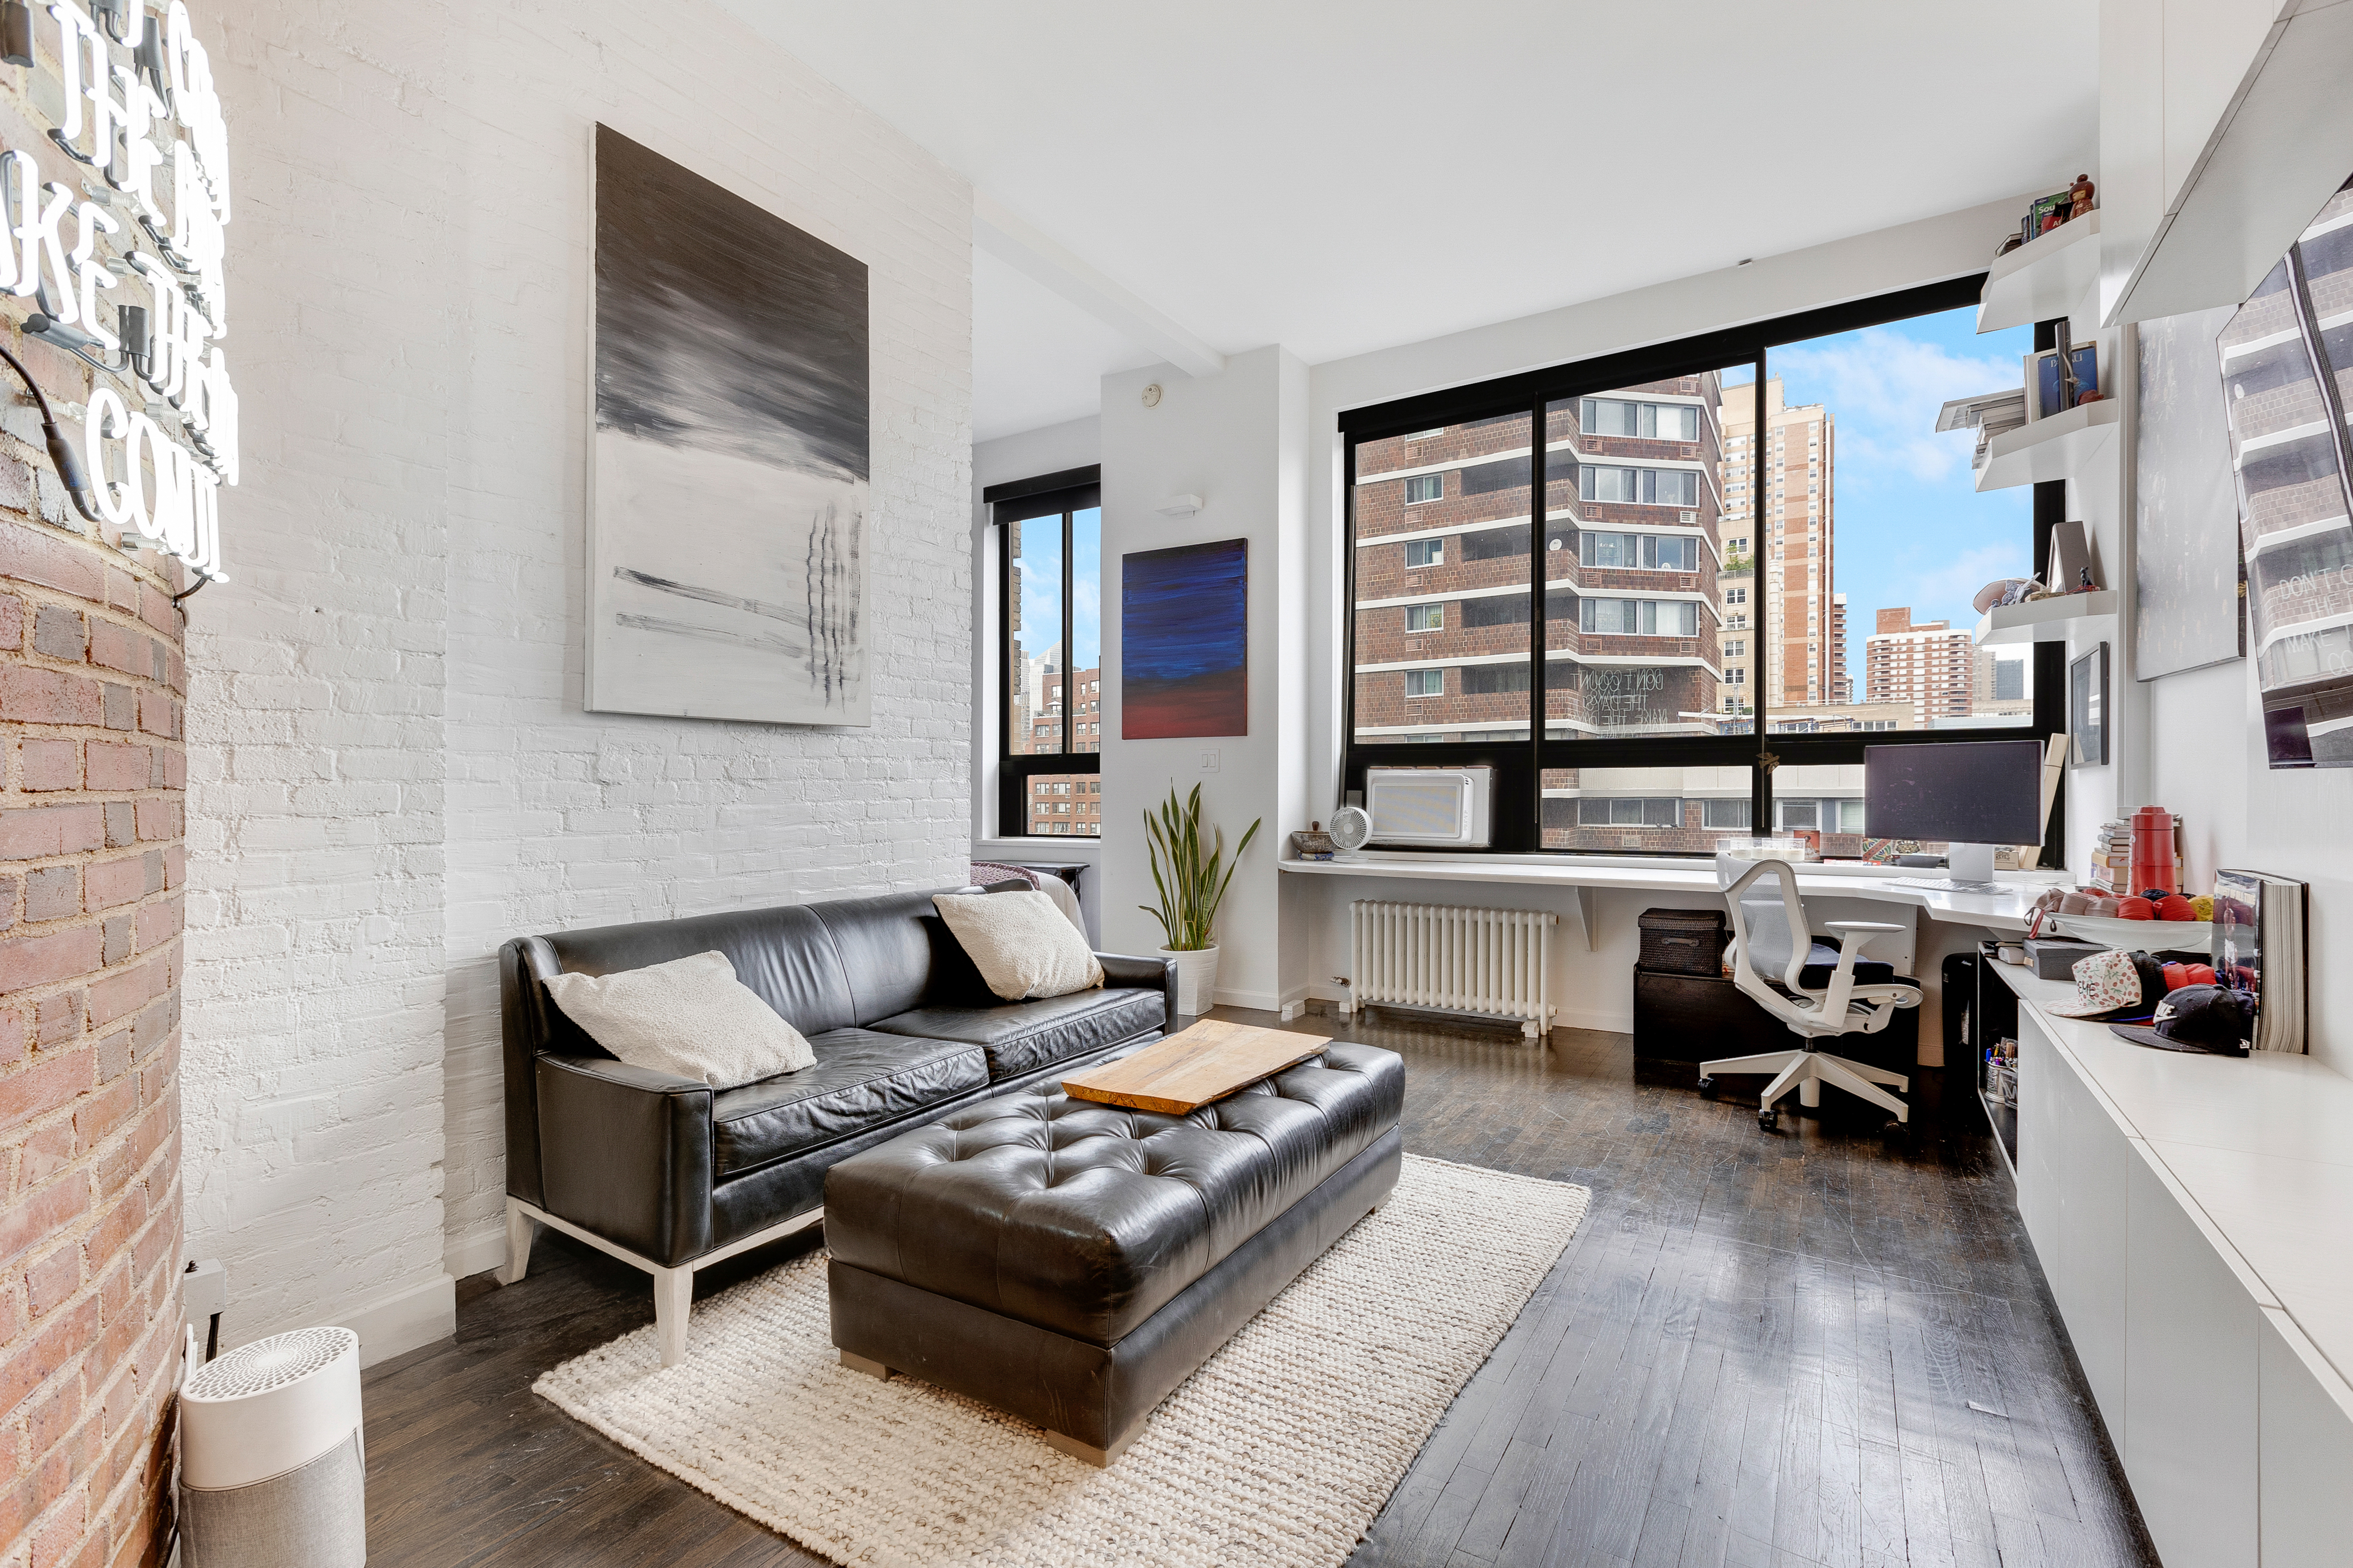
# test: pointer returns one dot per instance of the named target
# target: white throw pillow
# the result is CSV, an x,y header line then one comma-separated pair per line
x,y
1020,943
689,1017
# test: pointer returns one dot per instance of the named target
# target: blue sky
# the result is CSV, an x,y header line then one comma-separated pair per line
x,y
1911,530
1041,587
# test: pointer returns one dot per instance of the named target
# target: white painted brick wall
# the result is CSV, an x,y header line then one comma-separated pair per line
x,y
390,770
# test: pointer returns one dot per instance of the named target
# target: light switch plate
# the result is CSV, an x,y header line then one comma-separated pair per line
x,y
1208,762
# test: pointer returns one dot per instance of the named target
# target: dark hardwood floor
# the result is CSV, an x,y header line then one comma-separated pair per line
x,y
1761,1350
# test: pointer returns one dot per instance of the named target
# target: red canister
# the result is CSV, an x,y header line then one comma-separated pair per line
x,y
2152,849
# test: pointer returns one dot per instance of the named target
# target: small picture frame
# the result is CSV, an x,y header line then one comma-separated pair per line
x,y
2087,710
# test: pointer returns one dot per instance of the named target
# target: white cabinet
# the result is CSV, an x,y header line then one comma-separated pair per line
x,y
2224,124
2305,1483
2093,1161
2072,1193
2190,1381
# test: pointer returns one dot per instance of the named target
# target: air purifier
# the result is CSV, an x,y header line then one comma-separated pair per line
x,y
272,1474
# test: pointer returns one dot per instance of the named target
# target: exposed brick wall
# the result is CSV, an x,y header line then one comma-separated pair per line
x,y
92,865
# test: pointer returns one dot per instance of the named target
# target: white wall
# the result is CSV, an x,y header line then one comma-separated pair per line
x,y
391,774
1237,440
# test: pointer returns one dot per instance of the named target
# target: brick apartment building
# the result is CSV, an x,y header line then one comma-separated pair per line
x,y
1931,666
1634,611
1791,529
1069,803
1841,678
1631,610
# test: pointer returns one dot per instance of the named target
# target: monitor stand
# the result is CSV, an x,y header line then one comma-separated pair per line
x,y
1969,862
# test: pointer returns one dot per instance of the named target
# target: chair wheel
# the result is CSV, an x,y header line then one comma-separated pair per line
x,y
1768,1118
1707,1088
1897,1132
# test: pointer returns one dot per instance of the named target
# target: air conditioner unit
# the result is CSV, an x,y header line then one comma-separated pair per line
x,y
1429,808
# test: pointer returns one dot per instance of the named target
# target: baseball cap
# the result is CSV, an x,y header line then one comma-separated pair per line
x,y
2112,983
2211,1018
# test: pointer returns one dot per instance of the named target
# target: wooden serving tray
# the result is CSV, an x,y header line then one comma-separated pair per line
x,y
1190,1070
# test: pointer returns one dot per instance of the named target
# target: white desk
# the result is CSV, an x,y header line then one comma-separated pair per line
x,y
2192,1216
1588,875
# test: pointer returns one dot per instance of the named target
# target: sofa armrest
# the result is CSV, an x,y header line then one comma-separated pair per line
x,y
1146,974
625,1151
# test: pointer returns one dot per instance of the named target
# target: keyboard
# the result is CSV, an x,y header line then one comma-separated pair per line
x,y
1945,885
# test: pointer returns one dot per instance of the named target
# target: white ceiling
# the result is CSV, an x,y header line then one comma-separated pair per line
x,y
1340,178
1037,359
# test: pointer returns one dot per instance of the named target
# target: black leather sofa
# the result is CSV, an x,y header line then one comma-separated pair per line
x,y
672,1175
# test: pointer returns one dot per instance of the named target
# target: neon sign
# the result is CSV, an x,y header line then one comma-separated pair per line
x,y
142,115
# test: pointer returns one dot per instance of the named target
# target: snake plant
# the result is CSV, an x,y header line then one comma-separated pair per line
x,y
1190,886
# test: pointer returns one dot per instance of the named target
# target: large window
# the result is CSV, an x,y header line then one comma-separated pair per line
x,y
1049,656
1659,554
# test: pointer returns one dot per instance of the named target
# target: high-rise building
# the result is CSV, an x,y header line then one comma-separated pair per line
x,y
1841,680
1791,530
2001,691
1929,665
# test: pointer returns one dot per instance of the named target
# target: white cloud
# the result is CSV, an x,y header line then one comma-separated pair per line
x,y
1956,579
1883,390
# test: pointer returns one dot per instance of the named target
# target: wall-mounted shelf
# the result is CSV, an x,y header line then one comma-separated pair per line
x,y
2059,447
2048,276
2090,617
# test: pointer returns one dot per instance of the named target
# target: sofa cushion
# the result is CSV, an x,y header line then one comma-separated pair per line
x,y
690,1018
862,1079
1083,1218
785,955
1021,1036
897,953
1020,943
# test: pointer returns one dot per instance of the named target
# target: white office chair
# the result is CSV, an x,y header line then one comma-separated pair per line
x,y
1771,933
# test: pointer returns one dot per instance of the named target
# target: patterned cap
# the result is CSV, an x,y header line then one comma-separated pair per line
x,y
2108,981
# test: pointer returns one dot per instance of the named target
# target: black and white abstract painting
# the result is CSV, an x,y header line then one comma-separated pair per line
x,y
729,539
2186,557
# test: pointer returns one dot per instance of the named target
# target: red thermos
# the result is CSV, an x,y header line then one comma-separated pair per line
x,y
2152,850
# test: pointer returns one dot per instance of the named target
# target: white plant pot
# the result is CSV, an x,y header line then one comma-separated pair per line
x,y
1197,978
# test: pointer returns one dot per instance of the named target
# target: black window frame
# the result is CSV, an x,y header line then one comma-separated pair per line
x,y
1517,808
1066,493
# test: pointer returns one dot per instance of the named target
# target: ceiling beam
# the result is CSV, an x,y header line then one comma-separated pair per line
x,y
1015,242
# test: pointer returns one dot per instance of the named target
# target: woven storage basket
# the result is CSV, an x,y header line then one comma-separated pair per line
x,y
1683,941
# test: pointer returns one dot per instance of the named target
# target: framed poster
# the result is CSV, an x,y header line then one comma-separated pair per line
x,y
730,551
1184,655
2087,710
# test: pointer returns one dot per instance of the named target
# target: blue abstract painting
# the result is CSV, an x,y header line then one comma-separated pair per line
x,y
1185,641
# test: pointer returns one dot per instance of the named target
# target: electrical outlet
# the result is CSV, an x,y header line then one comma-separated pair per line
x,y
1208,762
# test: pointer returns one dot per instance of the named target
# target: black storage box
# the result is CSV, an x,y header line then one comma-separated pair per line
x,y
1683,941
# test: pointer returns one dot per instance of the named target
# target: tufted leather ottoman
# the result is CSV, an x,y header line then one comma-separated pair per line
x,y
1072,1263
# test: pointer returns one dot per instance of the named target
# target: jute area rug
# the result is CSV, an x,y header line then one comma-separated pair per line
x,y
1280,1449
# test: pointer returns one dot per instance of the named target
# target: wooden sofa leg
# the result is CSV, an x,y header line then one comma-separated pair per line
x,y
1087,1453
870,1368
673,1296
522,1230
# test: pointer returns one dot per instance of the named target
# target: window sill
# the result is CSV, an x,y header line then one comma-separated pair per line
x,y
1044,846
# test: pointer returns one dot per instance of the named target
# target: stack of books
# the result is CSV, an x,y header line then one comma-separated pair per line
x,y
2259,943
1988,414
2112,857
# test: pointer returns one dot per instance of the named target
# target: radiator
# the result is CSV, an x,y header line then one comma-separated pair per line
x,y
1490,962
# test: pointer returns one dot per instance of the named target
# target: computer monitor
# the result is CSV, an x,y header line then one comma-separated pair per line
x,y
1973,796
